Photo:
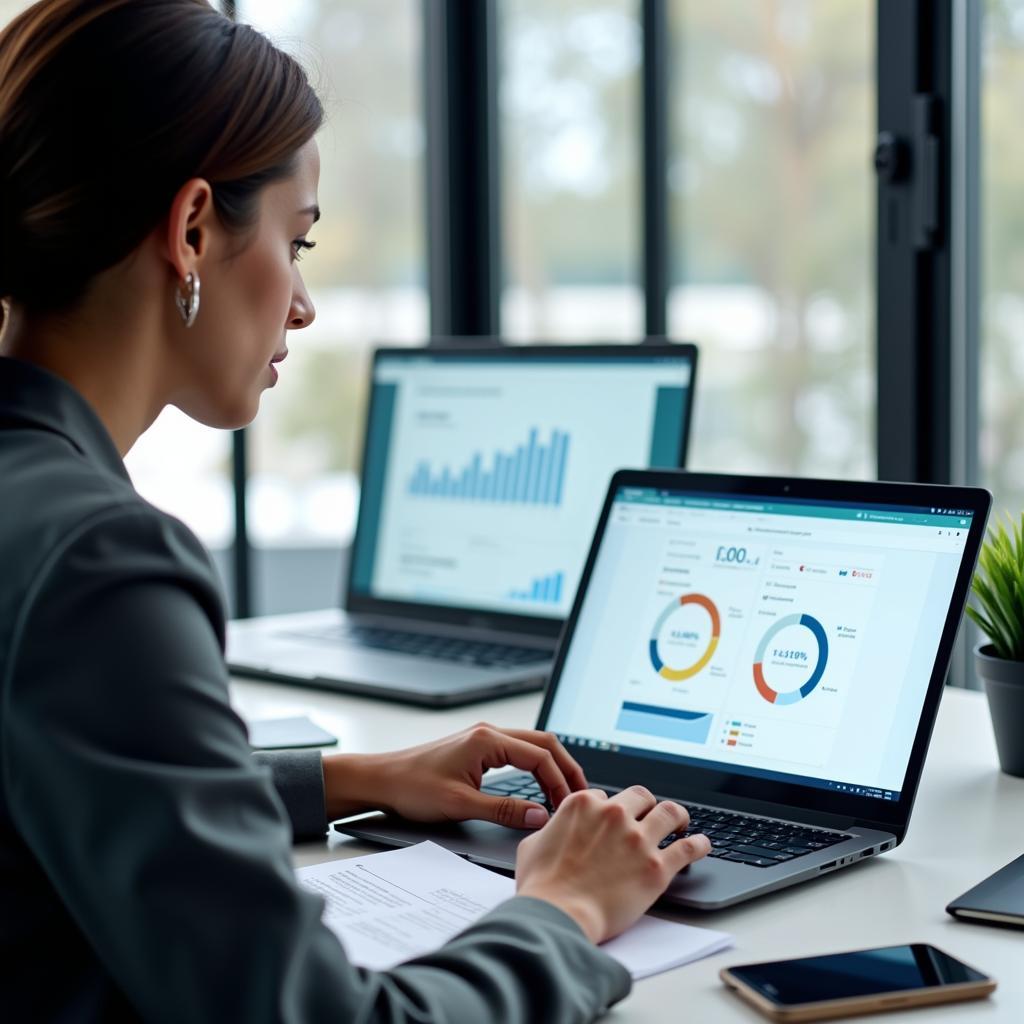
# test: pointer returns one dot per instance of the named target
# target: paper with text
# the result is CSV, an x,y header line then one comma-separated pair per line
x,y
390,907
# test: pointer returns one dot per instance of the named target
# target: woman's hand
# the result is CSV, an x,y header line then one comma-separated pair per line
x,y
598,859
440,781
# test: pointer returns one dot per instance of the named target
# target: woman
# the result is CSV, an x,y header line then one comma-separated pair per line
x,y
158,176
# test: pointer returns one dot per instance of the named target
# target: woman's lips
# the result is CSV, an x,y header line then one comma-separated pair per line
x,y
276,358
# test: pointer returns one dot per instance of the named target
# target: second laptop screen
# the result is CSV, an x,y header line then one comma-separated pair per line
x,y
484,476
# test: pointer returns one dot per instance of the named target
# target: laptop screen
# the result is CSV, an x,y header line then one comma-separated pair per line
x,y
789,640
485,473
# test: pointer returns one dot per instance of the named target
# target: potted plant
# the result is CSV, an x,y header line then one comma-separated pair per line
x,y
998,610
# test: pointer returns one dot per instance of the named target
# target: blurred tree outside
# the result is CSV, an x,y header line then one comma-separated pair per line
x,y
772,107
366,275
774,207
1002,231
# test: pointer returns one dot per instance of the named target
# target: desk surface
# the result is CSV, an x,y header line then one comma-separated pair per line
x,y
969,821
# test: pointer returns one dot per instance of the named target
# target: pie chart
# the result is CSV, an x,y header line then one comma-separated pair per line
x,y
817,631
678,672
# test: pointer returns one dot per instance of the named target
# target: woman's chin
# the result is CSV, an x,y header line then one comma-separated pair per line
x,y
226,415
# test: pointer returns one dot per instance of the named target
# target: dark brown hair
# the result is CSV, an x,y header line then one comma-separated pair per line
x,y
107,107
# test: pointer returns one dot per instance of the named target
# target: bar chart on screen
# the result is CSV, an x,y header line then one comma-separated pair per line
x,y
532,474
543,588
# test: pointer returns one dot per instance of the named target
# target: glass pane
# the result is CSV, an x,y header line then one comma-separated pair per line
x,y
1002,238
366,276
9,8
184,468
570,118
773,230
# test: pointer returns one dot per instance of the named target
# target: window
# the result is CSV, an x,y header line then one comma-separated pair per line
x,y
365,278
773,230
570,118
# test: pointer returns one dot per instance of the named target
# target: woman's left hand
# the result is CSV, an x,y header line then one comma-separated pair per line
x,y
440,781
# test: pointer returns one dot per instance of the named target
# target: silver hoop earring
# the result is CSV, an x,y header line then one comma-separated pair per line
x,y
187,299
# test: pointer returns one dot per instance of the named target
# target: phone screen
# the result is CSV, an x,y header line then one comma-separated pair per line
x,y
846,975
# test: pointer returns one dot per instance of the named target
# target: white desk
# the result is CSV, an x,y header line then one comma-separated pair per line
x,y
969,820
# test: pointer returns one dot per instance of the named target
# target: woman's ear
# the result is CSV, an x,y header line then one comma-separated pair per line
x,y
189,225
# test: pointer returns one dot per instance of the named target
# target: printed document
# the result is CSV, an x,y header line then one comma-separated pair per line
x,y
387,908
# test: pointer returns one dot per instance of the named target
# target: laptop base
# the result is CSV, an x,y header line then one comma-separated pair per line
x,y
707,885
275,649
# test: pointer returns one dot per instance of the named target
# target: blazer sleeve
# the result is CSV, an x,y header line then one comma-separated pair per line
x,y
298,777
129,777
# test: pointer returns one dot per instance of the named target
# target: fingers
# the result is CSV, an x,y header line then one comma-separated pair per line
x,y
570,767
503,748
684,852
638,801
667,817
504,810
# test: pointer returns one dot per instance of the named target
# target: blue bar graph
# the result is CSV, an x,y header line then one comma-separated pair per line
x,y
534,474
546,589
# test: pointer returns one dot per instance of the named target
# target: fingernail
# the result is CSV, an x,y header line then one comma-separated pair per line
x,y
535,817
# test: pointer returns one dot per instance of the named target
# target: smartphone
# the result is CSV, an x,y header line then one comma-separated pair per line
x,y
850,984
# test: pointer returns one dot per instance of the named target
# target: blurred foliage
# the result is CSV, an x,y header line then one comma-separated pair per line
x,y
1002,232
774,126
772,106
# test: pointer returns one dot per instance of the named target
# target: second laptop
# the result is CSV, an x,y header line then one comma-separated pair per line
x,y
483,475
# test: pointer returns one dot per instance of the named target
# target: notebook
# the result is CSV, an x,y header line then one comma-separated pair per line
x,y
997,900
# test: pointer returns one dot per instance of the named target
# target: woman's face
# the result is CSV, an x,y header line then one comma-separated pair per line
x,y
251,295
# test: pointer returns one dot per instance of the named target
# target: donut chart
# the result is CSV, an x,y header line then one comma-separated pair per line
x,y
685,672
791,696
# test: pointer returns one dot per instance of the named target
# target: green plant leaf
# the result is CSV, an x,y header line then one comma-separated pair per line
x,y
997,590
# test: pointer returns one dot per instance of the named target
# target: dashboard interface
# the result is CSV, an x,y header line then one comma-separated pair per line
x,y
786,639
485,477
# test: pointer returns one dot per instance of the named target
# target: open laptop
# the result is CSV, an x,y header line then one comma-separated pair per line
x,y
768,652
483,474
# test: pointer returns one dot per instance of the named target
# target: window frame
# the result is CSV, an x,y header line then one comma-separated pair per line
x,y
926,275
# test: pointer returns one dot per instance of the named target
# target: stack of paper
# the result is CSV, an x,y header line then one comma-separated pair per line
x,y
390,907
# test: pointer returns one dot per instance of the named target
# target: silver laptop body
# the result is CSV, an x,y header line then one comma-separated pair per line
x,y
483,473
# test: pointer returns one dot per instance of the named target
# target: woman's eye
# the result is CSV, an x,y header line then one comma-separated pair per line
x,y
299,245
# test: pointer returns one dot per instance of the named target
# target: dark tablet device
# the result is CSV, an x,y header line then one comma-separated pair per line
x,y
998,900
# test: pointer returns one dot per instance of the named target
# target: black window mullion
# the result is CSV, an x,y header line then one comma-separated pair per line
x,y
927,274
654,177
462,173
241,549
916,437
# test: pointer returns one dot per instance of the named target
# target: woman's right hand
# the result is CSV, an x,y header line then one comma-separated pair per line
x,y
598,860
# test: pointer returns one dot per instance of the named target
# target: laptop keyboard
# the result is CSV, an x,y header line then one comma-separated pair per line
x,y
426,645
759,842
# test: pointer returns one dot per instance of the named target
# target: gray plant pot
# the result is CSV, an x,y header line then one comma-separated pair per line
x,y
1004,687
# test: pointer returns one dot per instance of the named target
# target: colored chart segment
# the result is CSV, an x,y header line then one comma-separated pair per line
x,y
534,474
685,672
668,723
791,696
544,588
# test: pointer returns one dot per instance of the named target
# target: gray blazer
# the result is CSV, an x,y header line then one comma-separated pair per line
x,y
144,853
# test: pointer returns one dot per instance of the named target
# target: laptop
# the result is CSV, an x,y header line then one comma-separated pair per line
x,y
768,652
483,475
